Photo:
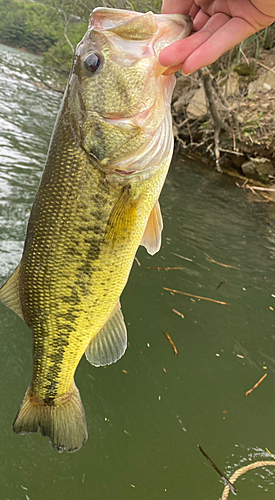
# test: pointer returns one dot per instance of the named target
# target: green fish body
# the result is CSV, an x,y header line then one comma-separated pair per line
x,y
96,203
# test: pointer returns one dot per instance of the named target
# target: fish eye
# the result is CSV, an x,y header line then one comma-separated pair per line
x,y
92,62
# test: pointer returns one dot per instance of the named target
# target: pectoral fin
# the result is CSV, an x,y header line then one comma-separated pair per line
x,y
152,235
110,343
123,218
9,293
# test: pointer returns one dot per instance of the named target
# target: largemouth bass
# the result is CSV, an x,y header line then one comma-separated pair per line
x,y
97,202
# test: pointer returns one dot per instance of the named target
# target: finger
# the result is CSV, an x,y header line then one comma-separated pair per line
x,y
267,7
209,50
179,51
193,10
176,6
200,20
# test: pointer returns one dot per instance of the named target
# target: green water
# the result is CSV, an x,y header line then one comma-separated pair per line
x,y
147,413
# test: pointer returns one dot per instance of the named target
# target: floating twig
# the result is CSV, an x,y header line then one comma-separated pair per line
x,y
220,284
224,478
256,385
178,313
270,453
262,190
167,268
220,263
243,470
258,188
196,296
182,257
137,261
172,343
83,478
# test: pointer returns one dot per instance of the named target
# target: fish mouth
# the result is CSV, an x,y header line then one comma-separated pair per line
x,y
134,25
152,32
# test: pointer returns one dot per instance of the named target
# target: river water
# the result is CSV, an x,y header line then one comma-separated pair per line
x,y
147,413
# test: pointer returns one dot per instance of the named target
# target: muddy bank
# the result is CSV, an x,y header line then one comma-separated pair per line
x,y
227,118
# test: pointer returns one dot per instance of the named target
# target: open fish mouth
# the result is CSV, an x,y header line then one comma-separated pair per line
x,y
139,26
162,29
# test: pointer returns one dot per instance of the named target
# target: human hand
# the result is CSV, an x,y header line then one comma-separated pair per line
x,y
218,26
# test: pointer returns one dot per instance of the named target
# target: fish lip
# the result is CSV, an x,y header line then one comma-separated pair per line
x,y
117,117
124,173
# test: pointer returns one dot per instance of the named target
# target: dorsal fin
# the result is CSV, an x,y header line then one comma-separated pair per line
x,y
110,343
151,239
9,293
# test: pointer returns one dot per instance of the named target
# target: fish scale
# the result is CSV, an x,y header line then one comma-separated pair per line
x,y
60,236
96,203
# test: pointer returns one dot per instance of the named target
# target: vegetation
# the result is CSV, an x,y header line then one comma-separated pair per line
x,y
54,27
31,26
225,112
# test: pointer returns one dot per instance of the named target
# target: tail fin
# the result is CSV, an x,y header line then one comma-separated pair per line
x,y
63,421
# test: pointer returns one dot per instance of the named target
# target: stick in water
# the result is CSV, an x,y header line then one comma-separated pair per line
x,y
172,343
224,478
167,268
196,296
256,385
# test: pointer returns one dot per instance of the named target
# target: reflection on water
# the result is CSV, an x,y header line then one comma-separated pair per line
x,y
147,413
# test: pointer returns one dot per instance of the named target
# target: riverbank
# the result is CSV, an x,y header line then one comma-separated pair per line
x,y
227,117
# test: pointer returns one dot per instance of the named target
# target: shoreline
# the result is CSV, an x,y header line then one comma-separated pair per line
x,y
228,120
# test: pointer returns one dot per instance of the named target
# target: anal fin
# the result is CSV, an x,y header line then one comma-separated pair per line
x,y
110,343
9,293
151,239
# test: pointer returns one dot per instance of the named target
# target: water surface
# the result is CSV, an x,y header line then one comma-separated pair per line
x,y
147,413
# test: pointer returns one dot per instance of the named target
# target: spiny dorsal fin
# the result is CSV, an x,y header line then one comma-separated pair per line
x,y
151,239
110,343
9,293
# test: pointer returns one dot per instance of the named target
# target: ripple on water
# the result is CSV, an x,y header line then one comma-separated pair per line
x,y
27,116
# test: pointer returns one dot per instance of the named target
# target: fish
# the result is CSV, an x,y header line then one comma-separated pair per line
x,y
97,201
